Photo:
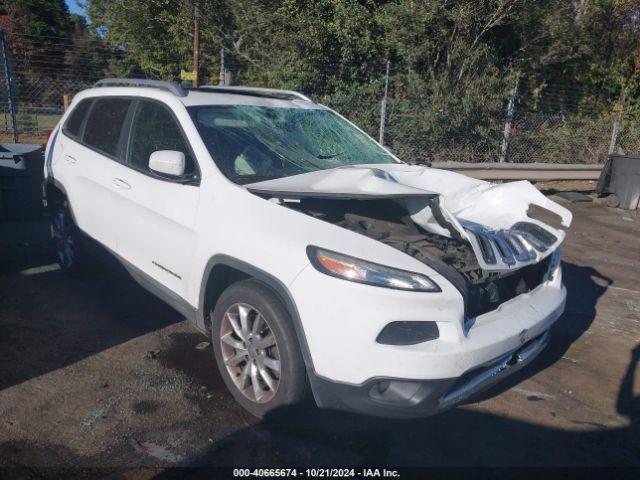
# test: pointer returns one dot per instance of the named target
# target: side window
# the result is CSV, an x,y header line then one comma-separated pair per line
x,y
74,122
105,123
155,128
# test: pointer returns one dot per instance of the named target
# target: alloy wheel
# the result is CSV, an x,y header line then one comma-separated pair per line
x,y
250,352
63,239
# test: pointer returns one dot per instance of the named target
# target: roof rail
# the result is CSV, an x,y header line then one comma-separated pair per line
x,y
256,91
142,82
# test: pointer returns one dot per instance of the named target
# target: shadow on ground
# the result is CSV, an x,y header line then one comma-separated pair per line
x,y
585,285
49,321
300,436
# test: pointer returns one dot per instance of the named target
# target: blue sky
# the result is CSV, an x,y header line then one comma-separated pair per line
x,y
74,7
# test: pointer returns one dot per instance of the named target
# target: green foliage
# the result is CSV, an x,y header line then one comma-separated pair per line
x,y
41,18
49,46
454,62
560,139
155,34
36,21
326,46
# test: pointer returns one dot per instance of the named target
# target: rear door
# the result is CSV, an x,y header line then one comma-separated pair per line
x,y
89,162
156,214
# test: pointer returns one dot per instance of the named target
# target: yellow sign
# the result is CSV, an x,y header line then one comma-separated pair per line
x,y
184,75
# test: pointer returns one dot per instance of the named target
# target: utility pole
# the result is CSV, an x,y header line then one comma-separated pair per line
x,y
383,105
196,44
9,82
616,123
509,120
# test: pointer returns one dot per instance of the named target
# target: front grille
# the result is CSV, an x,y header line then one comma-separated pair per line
x,y
488,295
519,245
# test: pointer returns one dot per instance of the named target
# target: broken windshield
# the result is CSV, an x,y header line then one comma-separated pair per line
x,y
253,143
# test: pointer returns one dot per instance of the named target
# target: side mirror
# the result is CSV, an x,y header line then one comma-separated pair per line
x,y
167,162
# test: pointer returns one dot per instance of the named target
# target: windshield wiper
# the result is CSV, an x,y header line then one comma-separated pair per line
x,y
251,178
326,157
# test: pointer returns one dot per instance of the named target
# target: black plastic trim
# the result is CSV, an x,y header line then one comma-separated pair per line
x,y
409,398
408,333
360,398
156,288
125,132
269,280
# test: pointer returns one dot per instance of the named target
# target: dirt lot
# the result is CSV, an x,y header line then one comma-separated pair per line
x,y
98,372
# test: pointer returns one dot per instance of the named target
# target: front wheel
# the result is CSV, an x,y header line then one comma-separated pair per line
x,y
256,348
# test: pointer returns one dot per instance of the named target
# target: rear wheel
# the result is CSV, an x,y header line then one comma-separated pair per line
x,y
67,240
613,201
256,348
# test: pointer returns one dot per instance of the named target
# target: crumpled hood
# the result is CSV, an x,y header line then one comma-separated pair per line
x,y
492,217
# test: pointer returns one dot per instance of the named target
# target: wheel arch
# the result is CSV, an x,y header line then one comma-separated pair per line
x,y
222,271
52,192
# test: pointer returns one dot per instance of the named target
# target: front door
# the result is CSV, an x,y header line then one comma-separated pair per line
x,y
156,214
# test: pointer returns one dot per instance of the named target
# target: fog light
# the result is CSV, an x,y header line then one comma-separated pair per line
x,y
383,386
408,333
397,392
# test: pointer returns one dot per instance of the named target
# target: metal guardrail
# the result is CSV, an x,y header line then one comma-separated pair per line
x,y
524,171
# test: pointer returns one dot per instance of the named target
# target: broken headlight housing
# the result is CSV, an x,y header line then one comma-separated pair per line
x,y
361,271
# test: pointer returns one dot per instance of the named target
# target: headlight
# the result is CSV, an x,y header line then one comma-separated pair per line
x,y
361,271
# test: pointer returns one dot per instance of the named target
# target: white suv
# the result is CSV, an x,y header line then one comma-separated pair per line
x,y
311,255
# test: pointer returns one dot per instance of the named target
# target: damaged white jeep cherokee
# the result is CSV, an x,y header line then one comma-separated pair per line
x,y
309,253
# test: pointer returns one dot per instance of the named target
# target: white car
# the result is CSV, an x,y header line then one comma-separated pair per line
x,y
311,255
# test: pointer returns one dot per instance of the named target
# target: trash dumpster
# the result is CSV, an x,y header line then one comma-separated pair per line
x,y
620,179
21,177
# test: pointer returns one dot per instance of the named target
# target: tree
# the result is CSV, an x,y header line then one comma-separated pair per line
x,y
30,26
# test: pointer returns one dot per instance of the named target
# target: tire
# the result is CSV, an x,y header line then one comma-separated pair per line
x,y
68,241
267,342
613,201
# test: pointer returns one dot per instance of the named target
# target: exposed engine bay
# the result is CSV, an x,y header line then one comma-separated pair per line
x,y
387,221
482,237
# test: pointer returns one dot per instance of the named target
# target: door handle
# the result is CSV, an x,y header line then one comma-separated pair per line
x,y
70,159
118,182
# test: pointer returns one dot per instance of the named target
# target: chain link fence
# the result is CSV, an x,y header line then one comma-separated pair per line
x,y
559,138
417,128
38,104
411,130
628,139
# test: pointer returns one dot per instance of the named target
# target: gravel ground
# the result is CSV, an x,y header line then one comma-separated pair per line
x,y
98,373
